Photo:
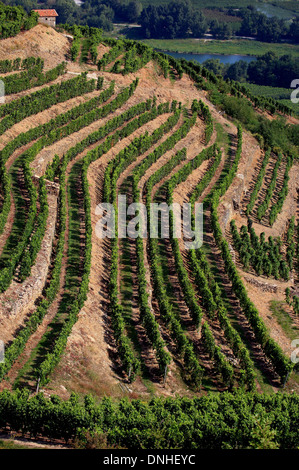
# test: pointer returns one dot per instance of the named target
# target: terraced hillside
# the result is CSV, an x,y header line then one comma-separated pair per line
x,y
86,122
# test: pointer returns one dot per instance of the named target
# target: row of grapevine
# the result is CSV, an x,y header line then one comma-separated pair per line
x,y
31,153
136,57
277,207
258,182
212,299
5,186
42,129
213,421
291,245
91,156
203,111
262,208
163,62
130,363
16,347
32,77
221,363
193,371
264,257
29,256
10,257
293,301
146,314
7,65
78,293
77,118
271,349
40,100
33,134
18,344
110,56
117,165
53,357
209,290
208,80
169,143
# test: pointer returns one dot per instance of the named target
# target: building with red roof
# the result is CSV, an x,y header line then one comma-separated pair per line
x,y
47,17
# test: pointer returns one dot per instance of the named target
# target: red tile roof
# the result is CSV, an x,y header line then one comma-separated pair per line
x,y
46,12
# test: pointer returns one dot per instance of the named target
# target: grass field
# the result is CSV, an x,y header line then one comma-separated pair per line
x,y
284,319
234,46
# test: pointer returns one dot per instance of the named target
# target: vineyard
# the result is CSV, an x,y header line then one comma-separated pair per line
x,y
101,121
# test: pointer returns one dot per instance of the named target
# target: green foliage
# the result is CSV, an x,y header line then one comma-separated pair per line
x,y
272,350
145,113
40,100
114,169
32,77
173,20
273,71
265,257
262,208
148,318
14,19
277,207
220,421
19,64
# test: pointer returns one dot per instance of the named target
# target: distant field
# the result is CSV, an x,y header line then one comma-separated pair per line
x,y
207,3
280,94
212,14
281,8
244,47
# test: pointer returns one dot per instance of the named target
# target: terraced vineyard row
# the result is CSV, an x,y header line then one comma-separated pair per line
x,y
138,311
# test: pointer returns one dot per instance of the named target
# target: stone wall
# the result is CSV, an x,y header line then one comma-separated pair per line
x,y
264,286
48,20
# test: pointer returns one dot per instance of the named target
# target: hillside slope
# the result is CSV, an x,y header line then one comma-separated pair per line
x,y
92,307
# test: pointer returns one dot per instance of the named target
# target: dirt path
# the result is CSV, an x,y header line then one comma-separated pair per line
x,y
27,443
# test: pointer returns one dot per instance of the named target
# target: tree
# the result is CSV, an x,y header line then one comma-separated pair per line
x,y
214,65
294,30
133,11
220,30
237,71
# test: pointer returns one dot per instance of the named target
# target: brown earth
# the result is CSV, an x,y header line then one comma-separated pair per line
x,y
40,41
